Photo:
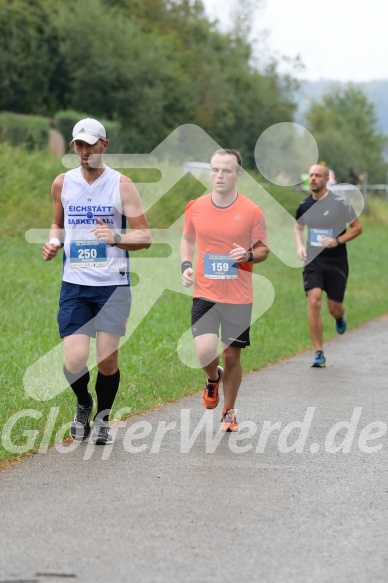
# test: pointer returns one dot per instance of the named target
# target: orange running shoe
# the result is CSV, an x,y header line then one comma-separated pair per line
x,y
210,395
228,420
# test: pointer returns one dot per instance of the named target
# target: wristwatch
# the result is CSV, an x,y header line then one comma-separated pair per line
x,y
117,240
250,256
338,241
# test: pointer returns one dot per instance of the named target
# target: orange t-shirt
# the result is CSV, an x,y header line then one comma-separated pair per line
x,y
216,229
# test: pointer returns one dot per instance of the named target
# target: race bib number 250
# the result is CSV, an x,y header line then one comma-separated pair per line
x,y
87,253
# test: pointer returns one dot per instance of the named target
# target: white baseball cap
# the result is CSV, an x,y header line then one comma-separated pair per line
x,y
88,130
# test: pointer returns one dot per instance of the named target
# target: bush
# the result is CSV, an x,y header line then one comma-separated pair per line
x,y
28,131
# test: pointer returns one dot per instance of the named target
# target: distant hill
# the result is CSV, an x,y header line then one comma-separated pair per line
x,y
375,91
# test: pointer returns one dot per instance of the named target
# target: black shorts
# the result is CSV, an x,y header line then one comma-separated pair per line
x,y
85,309
329,277
234,319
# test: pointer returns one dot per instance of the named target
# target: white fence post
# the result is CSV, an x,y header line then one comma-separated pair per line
x,y
365,188
386,187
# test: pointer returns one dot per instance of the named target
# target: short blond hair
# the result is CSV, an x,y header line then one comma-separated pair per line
x,y
229,152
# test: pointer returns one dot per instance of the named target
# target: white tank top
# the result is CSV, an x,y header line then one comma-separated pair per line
x,y
87,261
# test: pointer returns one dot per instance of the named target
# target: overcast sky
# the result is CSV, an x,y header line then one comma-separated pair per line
x,y
340,40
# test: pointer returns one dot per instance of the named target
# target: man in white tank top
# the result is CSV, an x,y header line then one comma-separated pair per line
x,y
92,206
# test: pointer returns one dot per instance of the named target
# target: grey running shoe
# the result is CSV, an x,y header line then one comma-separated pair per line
x,y
80,427
101,434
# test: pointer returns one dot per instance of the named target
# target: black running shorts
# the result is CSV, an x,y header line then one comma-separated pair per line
x,y
234,319
329,277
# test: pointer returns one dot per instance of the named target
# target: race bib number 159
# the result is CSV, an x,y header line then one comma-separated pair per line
x,y
219,267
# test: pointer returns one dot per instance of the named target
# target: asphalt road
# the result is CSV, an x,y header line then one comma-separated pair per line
x,y
300,494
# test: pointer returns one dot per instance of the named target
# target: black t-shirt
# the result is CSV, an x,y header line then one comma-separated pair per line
x,y
328,216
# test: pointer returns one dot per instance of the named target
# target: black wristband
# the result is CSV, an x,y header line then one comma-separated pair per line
x,y
338,241
185,265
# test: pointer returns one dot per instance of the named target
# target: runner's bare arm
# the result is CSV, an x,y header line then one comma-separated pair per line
x,y
187,255
139,235
260,251
299,239
355,229
50,249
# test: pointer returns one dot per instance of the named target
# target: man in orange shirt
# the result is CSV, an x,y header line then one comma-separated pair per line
x,y
229,232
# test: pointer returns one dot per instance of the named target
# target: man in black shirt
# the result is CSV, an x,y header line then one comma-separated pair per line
x,y
326,216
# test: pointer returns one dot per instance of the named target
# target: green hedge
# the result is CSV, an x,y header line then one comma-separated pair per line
x,y
65,121
29,131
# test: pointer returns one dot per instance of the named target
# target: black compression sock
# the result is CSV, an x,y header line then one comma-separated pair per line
x,y
106,390
79,383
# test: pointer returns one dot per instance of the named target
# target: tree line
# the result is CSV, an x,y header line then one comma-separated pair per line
x,y
152,65
344,124
149,65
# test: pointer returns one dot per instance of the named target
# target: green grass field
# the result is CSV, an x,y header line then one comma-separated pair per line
x,y
151,370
